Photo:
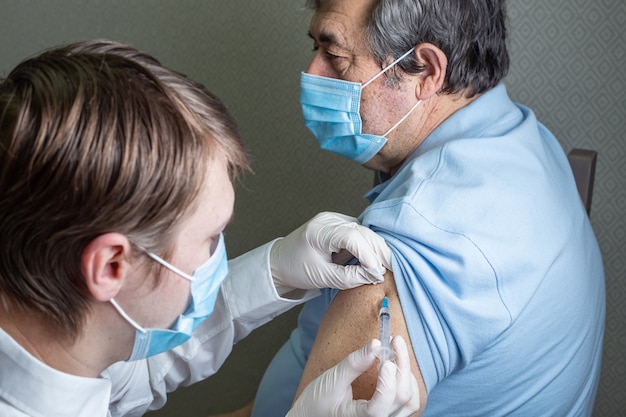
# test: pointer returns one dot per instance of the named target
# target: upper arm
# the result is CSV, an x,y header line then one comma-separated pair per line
x,y
350,322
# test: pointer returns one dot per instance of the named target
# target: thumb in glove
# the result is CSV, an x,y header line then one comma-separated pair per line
x,y
304,258
330,394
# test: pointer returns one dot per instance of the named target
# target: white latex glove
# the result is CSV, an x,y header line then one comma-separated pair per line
x,y
330,394
304,258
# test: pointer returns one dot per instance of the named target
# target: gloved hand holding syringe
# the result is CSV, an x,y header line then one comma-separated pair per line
x,y
397,392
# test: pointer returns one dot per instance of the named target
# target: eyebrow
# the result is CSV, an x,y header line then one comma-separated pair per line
x,y
326,37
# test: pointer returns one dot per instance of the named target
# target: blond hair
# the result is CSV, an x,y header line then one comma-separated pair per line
x,y
97,137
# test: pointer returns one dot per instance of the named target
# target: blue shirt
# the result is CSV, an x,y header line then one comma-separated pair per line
x,y
498,270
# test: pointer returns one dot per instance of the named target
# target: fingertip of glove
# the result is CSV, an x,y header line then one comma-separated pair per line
x,y
374,344
388,367
387,373
376,276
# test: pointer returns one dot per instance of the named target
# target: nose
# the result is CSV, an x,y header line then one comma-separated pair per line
x,y
321,66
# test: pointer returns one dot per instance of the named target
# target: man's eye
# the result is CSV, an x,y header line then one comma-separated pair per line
x,y
327,54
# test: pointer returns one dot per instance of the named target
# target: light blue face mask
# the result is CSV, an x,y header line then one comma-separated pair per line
x,y
331,112
205,285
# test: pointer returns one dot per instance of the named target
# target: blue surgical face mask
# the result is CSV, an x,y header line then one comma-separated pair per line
x,y
205,285
331,112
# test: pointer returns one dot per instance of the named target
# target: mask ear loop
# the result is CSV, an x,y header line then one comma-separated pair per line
x,y
384,71
126,316
171,267
388,67
403,118
165,264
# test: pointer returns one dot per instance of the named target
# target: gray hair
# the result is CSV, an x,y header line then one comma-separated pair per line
x,y
472,34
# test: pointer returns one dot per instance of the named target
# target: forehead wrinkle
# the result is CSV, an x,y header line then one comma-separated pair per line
x,y
337,29
326,30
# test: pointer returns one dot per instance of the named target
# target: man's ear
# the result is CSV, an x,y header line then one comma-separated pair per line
x,y
104,265
435,63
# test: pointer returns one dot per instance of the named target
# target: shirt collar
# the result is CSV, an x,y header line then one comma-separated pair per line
x,y
36,389
487,115
468,122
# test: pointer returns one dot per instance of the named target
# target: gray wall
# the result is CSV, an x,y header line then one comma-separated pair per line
x,y
568,65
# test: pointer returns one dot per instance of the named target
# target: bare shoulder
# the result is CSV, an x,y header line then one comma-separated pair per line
x,y
350,322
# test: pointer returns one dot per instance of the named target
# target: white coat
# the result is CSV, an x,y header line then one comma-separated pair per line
x,y
247,300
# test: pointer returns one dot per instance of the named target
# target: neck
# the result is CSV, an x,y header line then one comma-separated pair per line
x,y
409,136
52,345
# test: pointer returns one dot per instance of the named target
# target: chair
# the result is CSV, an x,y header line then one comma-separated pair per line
x,y
583,164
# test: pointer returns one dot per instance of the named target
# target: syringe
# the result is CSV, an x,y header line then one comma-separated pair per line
x,y
383,332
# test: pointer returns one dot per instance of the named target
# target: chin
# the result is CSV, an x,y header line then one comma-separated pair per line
x,y
377,163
